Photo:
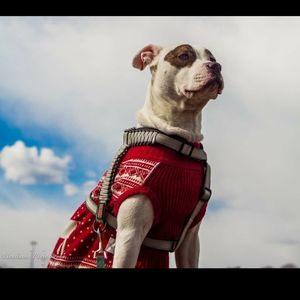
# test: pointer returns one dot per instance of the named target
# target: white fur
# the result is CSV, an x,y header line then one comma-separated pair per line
x,y
167,106
172,107
135,218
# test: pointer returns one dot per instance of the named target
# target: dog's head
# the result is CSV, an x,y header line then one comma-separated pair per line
x,y
184,72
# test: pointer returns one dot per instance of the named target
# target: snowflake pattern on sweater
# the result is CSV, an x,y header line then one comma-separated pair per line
x,y
132,173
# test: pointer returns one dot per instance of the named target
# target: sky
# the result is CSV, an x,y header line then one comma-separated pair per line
x,y
68,90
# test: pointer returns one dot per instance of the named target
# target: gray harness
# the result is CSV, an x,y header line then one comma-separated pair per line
x,y
141,137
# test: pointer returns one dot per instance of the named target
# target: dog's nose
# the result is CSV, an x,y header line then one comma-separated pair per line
x,y
214,66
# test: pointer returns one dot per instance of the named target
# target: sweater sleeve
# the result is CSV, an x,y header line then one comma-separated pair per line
x,y
131,179
139,190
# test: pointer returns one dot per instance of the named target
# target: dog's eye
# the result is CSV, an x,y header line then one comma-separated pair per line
x,y
212,59
184,56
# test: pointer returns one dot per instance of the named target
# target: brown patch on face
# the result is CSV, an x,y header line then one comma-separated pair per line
x,y
211,57
182,56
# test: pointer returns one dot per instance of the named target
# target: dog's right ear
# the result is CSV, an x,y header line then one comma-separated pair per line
x,y
145,56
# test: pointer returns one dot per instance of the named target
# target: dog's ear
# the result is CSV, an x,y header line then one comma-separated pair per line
x,y
145,56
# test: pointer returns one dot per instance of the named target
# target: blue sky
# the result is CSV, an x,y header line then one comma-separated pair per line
x,y
12,131
67,91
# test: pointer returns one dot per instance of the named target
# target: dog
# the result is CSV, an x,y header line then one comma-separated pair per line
x,y
155,188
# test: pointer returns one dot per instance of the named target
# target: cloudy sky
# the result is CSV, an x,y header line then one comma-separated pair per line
x,y
67,91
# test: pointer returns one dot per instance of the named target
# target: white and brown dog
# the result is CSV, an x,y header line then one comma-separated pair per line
x,y
184,79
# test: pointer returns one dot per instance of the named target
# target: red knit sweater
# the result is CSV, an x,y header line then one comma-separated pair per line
x,y
170,180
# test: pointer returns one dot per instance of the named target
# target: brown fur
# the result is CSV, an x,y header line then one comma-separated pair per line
x,y
173,56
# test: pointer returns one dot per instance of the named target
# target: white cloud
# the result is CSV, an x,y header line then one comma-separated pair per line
x,y
88,186
21,226
83,190
249,238
251,131
91,174
27,166
25,217
70,189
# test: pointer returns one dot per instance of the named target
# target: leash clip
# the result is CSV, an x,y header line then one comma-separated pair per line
x,y
100,255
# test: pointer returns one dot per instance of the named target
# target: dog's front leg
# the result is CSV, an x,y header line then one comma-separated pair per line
x,y
135,218
187,255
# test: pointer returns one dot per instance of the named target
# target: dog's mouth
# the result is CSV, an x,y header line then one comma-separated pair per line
x,y
214,85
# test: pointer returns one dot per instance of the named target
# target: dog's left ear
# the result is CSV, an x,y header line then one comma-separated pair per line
x,y
145,56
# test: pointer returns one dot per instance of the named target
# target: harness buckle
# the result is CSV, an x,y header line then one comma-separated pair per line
x,y
206,194
186,149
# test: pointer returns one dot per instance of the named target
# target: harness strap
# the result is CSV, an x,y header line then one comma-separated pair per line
x,y
206,193
112,221
149,136
169,246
